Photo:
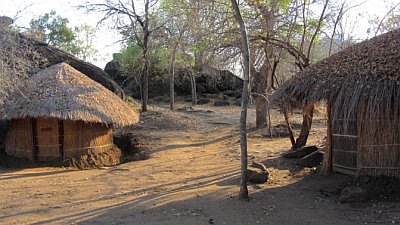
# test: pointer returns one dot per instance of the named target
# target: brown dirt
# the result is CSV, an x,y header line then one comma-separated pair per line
x,y
111,157
191,177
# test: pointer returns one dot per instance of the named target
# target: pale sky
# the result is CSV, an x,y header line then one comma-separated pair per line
x,y
106,37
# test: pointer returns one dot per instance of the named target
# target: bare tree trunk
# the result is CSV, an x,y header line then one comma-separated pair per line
x,y
306,126
193,87
172,80
269,123
289,126
244,193
259,88
146,36
145,82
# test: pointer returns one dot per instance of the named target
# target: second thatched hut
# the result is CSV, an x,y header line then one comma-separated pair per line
x,y
63,115
361,86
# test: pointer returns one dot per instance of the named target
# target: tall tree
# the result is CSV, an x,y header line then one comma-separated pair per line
x,y
298,37
174,30
134,23
244,193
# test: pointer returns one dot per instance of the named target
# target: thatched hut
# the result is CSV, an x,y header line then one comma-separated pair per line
x,y
64,115
361,86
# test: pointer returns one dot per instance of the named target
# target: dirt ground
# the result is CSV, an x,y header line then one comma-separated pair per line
x,y
191,177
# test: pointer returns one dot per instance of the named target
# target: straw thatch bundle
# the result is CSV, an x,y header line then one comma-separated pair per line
x,y
367,73
18,59
62,92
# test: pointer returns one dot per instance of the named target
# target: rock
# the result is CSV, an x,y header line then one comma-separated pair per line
x,y
238,102
201,88
301,152
259,166
313,159
250,172
221,103
259,177
353,194
230,93
202,101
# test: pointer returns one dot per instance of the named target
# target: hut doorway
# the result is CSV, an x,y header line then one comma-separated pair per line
x,y
47,139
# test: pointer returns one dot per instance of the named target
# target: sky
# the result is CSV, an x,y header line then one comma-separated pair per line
x,y
106,38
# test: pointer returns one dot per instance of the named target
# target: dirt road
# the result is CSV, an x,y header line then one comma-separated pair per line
x,y
191,177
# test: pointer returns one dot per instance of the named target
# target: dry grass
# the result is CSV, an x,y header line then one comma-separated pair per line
x,y
18,59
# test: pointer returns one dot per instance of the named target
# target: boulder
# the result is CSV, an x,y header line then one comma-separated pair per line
x,y
301,152
221,103
250,172
259,177
259,166
238,102
202,101
353,194
313,159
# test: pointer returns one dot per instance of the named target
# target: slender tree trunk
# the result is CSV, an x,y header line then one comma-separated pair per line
x,y
244,193
306,126
145,82
259,88
172,80
146,70
289,126
146,36
193,86
269,123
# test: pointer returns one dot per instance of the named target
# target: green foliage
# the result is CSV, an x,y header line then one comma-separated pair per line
x,y
54,30
129,58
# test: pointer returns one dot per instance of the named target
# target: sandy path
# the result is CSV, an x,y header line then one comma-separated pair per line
x,y
190,179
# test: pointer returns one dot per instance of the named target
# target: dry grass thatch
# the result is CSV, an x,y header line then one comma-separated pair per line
x,y
62,92
366,73
18,59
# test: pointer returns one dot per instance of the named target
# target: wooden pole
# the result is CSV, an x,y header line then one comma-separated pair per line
x,y
327,163
244,193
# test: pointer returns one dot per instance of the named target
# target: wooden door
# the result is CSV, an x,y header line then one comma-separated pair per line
x,y
47,143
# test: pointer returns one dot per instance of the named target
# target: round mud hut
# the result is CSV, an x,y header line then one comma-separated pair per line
x,y
361,86
63,115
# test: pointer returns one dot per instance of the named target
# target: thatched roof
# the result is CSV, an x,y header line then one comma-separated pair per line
x,y
62,92
365,75
54,55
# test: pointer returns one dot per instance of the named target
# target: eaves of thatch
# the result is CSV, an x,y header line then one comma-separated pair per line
x,y
62,92
366,73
